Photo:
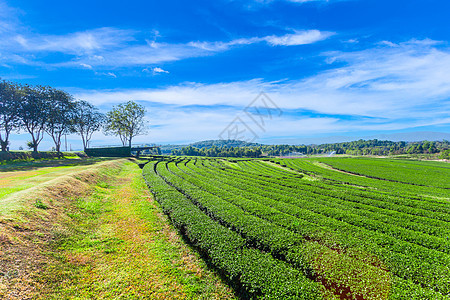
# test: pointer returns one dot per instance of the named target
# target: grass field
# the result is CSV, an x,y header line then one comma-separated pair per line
x,y
93,231
314,228
318,228
23,175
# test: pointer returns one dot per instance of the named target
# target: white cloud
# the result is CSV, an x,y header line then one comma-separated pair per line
x,y
304,1
8,18
155,53
263,2
221,46
235,93
292,39
86,66
76,43
19,46
352,41
155,71
298,38
112,47
159,70
384,88
138,55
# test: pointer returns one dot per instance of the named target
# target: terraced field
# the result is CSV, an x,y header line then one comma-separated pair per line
x,y
314,228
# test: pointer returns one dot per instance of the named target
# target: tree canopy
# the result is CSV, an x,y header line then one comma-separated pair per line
x,y
9,111
60,115
87,120
361,147
33,111
127,121
42,109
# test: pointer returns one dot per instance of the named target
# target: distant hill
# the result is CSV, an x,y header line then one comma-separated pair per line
x,y
167,149
223,143
416,136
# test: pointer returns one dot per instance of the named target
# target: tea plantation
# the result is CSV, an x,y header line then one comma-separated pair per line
x,y
325,228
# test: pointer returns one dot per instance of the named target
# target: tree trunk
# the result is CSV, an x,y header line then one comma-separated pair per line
x,y
57,140
35,145
84,141
4,145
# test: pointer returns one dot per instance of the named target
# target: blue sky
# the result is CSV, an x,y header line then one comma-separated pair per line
x,y
334,68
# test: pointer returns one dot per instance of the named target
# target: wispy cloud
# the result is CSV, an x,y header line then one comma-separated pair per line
x,y
265,2
304,1
8,18
111,47
298,37
86,66
108,47
85,42
155,71
383,88
379,80
21,45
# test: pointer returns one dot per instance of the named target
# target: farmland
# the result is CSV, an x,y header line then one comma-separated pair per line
x,y
89,229
333,228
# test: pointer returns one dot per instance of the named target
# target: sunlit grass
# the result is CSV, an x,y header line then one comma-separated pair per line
x,y
120,246
13,181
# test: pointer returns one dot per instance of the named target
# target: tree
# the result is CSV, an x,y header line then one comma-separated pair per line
x,y
432,148
60,115
87,120
9,113
445,154
33,111
127,121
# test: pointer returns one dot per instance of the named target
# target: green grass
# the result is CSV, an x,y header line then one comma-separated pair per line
x,y
39,204
24,176
118,245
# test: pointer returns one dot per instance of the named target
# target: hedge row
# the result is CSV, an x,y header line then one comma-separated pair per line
x,y
257,275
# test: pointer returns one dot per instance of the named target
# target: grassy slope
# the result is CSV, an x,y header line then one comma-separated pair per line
x,y
21,176
110,243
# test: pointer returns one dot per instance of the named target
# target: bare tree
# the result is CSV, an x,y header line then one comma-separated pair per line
x,y
87,120
127,121
9,113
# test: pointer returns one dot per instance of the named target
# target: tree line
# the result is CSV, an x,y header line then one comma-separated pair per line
x,y
362,147
379,147
40,110
215,151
